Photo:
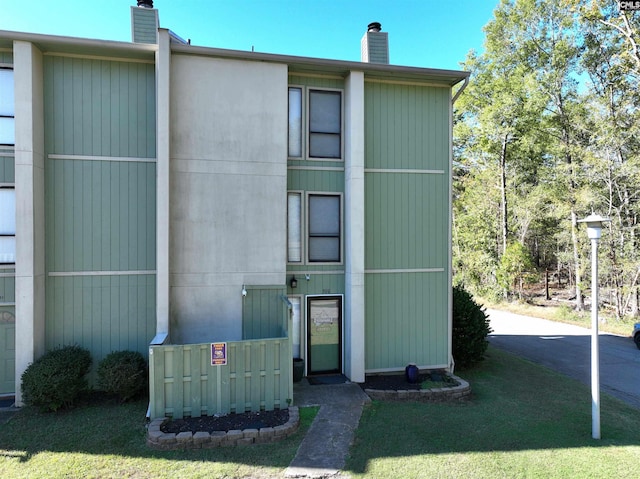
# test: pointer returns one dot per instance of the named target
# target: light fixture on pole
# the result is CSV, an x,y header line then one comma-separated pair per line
x,y
594,232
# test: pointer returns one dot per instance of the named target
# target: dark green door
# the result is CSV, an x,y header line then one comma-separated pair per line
x,y
324,331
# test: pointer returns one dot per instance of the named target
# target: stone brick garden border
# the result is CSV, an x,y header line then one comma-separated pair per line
x,y
157,439
461,392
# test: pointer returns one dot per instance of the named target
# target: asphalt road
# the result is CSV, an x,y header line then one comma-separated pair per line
x,y
567,350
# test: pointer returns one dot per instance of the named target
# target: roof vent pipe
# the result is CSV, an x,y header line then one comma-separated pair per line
x,y
145,3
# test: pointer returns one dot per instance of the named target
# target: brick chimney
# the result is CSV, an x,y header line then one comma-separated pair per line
x,y
374,46
144,22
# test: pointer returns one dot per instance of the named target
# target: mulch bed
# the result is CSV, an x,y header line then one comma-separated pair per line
x,y
248,420
392,382
262,419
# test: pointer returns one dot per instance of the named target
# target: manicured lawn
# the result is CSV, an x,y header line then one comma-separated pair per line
x,y
108,441
523,421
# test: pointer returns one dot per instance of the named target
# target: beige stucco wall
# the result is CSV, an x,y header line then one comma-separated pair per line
x,y
228,170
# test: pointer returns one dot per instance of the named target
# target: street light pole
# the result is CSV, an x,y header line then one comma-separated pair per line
x,y
595,348
594,231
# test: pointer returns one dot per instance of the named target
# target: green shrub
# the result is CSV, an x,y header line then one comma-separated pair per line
x,y
470,329
123,373
57,379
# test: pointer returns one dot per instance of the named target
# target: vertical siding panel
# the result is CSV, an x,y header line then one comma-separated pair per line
x,y
72,199
151,115
84,100
85,208
67,119
94,182
114,228
76,124
240,378
75,258
256,350
270,378
105,108
105,211
124,144
135,207
196,386
67,325
178,381
90,335
114,86
405,219
85,140
94,123
56,99
113,313
75,332
103,309
211,387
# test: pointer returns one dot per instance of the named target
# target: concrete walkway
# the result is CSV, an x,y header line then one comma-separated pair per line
x,y
324,450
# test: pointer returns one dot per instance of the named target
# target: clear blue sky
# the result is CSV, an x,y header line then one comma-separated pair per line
x,y
423,33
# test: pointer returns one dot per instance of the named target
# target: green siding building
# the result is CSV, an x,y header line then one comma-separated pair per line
x,y
158,193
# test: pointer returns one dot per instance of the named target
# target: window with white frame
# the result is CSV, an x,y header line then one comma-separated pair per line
x,y
323,125
7,225
294,227
324,229
321,241
7,108
295,122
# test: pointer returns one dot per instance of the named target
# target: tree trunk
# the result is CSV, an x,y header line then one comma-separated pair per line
x,y
635,303
503,192
576,260
546,285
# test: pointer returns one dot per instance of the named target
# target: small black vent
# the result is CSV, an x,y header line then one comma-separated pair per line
x,y
145,3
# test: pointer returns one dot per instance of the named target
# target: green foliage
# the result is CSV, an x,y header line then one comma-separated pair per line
x,y
123,373
470,329
516,266
106,440
546,132
56,379
567,314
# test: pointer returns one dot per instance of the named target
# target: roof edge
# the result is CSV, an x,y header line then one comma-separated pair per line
x,y
57,43
449,77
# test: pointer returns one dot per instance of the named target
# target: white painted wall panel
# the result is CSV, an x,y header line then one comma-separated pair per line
x,y
228,183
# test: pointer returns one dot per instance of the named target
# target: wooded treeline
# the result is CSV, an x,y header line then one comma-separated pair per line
x,y
547,132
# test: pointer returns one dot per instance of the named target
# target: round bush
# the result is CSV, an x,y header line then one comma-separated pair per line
x,y
470,329
56,379
123,373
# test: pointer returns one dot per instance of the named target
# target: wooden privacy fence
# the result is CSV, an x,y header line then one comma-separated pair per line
x,y
183,382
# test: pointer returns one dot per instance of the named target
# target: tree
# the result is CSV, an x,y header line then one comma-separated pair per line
x,y
612,60
516,267
548,131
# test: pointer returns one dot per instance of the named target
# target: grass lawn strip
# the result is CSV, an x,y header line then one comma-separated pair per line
x,y
523,421
108,441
